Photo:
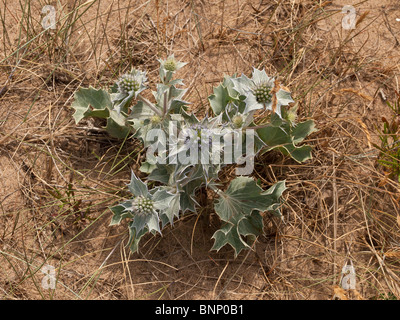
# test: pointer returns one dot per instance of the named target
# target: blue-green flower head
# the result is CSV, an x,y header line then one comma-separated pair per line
x,y
142,206
133,81
145,208
197,132
262,88
258,92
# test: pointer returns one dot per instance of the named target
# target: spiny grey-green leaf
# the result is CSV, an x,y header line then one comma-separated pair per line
x,y
135,236
90,102
302,130
137,187
228,234
119,214
240,206
219,99
116,130
241,198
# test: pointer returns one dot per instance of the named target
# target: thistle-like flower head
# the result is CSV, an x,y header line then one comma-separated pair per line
x,y
155,119
258,92
142,206
145,210
171,64
200,133
146,206
237,121
133,81
128,83
263,93
198,146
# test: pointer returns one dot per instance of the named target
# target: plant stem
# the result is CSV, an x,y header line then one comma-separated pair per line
x,y
165,103
149,104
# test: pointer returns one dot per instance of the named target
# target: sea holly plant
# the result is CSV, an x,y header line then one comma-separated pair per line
x,y
185,153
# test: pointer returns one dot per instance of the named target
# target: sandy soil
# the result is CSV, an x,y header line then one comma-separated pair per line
x,y
57,178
